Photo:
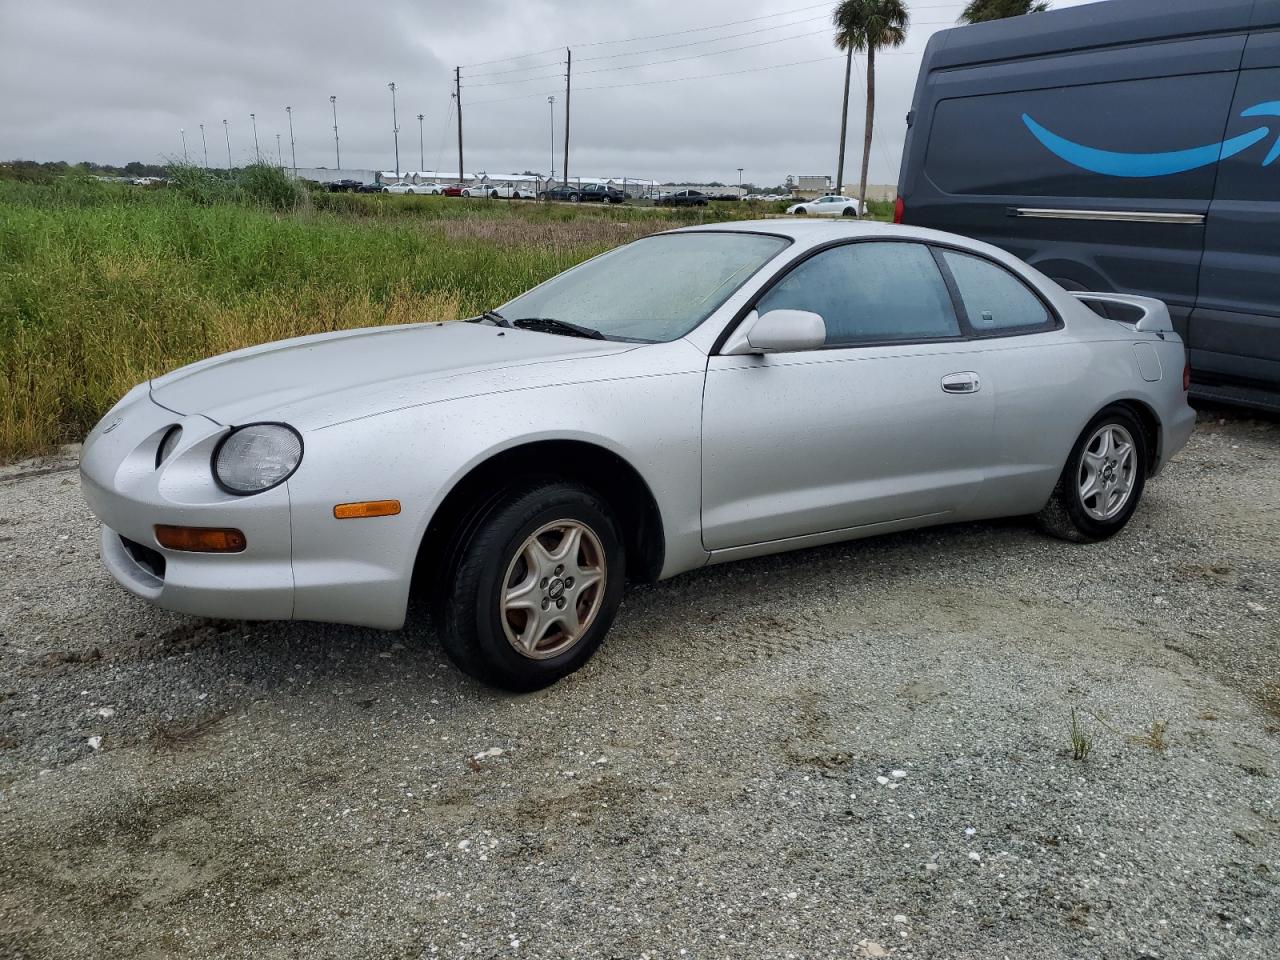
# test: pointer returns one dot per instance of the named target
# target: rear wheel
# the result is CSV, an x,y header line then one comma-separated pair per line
x,y
1102,482
533,587
850,212
574,198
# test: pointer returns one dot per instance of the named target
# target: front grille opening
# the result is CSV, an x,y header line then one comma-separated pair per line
x,y
148,559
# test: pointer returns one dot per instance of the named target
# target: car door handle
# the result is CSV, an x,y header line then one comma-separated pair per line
x,y
966,382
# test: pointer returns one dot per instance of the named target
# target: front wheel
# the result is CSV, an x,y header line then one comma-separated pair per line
x,y
534,587
1102,482
801,211
573,198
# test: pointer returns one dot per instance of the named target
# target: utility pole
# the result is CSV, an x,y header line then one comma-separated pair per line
x,y
205,144
421,162
568,72
551,178
183,132
740,183
257,153
227,131
333,102
457,92
293,144
395,126
279,159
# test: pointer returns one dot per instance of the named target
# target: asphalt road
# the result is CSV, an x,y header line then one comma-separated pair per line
x,y
854,751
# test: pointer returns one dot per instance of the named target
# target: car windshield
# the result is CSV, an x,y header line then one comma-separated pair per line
x,y
650,291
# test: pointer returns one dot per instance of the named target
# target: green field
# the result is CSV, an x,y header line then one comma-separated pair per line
x,y
105,285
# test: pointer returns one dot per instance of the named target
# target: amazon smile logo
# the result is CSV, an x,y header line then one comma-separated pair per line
x,y
1112,163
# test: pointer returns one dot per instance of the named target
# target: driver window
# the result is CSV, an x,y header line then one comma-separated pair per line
x,y
870,292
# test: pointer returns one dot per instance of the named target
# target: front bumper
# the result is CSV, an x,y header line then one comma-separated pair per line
x,y
129,494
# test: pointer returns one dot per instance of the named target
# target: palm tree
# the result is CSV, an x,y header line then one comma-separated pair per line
x,y
980,11
865,25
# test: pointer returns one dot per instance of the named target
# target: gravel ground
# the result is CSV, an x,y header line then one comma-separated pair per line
x,y
855,751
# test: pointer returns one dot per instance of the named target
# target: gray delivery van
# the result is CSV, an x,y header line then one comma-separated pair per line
x,y
1130,146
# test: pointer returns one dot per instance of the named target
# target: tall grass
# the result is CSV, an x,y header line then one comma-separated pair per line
x,y
105,285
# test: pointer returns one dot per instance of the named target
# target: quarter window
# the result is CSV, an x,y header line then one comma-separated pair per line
x,y
995,300
870,292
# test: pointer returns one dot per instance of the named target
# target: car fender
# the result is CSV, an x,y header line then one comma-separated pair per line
x,y
418,455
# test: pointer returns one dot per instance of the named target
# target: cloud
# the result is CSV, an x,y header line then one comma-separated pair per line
x,y
115,82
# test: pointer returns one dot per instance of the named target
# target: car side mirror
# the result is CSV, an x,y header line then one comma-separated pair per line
x,y
778,331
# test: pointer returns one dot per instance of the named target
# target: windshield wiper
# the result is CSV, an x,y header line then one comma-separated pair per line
x,y
494,317
562,327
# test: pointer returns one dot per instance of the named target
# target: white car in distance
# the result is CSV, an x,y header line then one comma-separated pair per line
x,y
832,205
411,188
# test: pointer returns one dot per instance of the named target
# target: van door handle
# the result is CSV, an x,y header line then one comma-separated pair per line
x,y
966,382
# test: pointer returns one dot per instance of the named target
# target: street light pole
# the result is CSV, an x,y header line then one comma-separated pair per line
x,y
257,153
204,143
279,159
740,183
183,133
395,127
333,102
293,144
421,162
227,130
552,101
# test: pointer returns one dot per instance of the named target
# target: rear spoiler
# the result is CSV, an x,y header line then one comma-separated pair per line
x,y
1145,313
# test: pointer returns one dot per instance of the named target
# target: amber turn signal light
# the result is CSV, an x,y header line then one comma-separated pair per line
x,y
200,539
366,508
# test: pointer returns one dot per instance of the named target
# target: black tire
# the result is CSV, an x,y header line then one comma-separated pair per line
x,y
1065,515
574,198
801,211
468,613
850,212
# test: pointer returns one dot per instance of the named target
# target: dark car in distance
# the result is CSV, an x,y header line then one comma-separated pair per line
x,y
1125,147
684,198
586,193
345,186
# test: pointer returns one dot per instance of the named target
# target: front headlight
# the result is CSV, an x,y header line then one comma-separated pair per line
x,y
256,457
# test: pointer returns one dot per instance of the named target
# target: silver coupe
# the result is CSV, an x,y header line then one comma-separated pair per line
x,y
693,397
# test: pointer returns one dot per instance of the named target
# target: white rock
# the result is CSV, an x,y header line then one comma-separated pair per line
x,y
900,918
95,743
1257,607
931,867
975,856
882,780
487,754
898,774
464,844
970,831
106,713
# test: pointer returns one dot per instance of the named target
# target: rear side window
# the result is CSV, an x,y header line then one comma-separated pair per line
x,y
994,299
869,293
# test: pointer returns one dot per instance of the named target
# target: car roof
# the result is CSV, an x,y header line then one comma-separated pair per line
x,y
811,233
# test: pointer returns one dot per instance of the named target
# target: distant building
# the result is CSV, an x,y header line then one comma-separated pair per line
x,y
325,175
818,183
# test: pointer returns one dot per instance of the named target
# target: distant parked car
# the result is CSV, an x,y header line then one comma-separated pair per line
x,y
369,188
602,193
685,198
485,190
430,189
453,190
571,194
344,186
828,206
411,188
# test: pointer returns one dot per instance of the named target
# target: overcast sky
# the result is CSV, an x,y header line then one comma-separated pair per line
x,y
115,81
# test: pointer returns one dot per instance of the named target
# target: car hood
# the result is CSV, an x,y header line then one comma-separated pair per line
x,y
321,379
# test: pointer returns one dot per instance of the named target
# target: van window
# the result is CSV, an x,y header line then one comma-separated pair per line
x,y
994,299
869,293
1033,142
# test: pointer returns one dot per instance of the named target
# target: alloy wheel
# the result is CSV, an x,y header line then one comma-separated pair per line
x,y
1108,468
553,589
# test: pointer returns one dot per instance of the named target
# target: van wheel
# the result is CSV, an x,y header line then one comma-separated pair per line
x,y
1102,482
533,588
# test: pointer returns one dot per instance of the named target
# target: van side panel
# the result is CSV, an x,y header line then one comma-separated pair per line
x,y
1235,328
1029,154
